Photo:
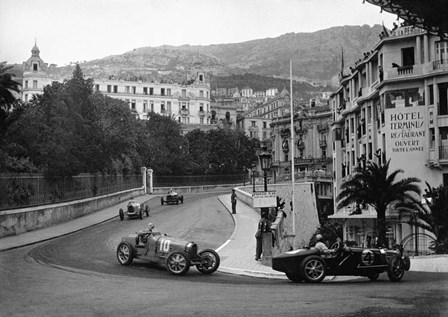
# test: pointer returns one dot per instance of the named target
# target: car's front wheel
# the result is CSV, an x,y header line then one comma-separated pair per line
x,y
124,253
395,269
313,269
295,277
209,261
178,263
121,214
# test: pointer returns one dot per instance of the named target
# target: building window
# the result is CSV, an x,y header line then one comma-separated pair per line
x,y
201,94
168,106
265,125
201,120
442,52
151,91
127,89
35,67
151,105
162,91
184,93
134,90
201,77
407,56
35,84
162,107
431,94
145,106
133,105
26,97
109,88
115,89
26,84
201,107
145,90
97,87
168,91
254,123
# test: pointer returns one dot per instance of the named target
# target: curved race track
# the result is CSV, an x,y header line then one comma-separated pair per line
x,y
78,275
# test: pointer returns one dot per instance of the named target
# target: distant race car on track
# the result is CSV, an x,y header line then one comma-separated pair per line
x,y
134,210
172,198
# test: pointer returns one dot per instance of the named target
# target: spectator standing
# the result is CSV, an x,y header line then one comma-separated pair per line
x,y
264,225
233,200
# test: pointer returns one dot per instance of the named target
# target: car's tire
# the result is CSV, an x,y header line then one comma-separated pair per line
x,y
125,254
161,201
295,277
373,276
395,269
147,210
178,263
313,269
210,261
140,214
121,214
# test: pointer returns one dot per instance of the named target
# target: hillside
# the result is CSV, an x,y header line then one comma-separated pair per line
x,y
316,57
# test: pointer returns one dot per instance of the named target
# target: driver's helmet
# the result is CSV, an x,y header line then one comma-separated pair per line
x,y
319,237
150,226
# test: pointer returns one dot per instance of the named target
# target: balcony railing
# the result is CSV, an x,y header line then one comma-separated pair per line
x,y
184,112
440,64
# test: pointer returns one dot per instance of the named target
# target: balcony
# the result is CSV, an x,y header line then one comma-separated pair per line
x,y
202,113
405,71
323,143
322,127
184,112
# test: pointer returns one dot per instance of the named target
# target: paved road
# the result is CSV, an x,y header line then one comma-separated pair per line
x,y
78,275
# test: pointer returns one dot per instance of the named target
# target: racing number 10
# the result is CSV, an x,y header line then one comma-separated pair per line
x,y
164,245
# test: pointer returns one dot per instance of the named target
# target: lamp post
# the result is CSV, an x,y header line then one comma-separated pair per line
x,y
265,162
253,177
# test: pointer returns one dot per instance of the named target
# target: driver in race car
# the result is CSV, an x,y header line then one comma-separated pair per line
x,y
320,245
143,235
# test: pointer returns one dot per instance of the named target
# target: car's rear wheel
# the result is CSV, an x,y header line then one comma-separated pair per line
x,y
124,253
121,214
313,269
295,277
209,261
395,269
147,210
373,276
178,263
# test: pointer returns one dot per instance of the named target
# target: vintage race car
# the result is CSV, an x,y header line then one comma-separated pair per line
x,y
313,265
173,198
134,210
175,254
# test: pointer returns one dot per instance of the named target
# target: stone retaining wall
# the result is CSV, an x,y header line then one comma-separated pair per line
x,y
17,221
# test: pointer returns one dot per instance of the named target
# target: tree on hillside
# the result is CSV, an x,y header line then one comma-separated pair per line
x,y
373,186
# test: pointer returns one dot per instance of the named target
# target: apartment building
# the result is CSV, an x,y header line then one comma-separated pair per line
x,y
392,105
188,103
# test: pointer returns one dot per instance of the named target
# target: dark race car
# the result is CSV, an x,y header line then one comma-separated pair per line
x,y
134,210
313,265
172,198
174,254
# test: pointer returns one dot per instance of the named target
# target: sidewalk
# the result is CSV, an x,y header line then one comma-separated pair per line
x,y
237,254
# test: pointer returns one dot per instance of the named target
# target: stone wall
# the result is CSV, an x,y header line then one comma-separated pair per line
x,y
17,221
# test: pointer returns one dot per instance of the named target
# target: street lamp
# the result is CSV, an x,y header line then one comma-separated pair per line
x,y
265,163
253,177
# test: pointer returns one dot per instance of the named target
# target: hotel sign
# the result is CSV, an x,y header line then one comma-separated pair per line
x,y
406,135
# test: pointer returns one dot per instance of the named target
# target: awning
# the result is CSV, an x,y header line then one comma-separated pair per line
x,y
428,15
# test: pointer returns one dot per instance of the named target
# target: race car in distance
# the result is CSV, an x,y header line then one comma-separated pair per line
x,y
134,210
172,198
313,265
175,254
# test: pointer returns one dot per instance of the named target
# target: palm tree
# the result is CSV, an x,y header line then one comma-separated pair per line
x,y
373,186
7,86
432,215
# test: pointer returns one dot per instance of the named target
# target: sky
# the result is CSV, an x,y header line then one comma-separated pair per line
x,y
83,30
